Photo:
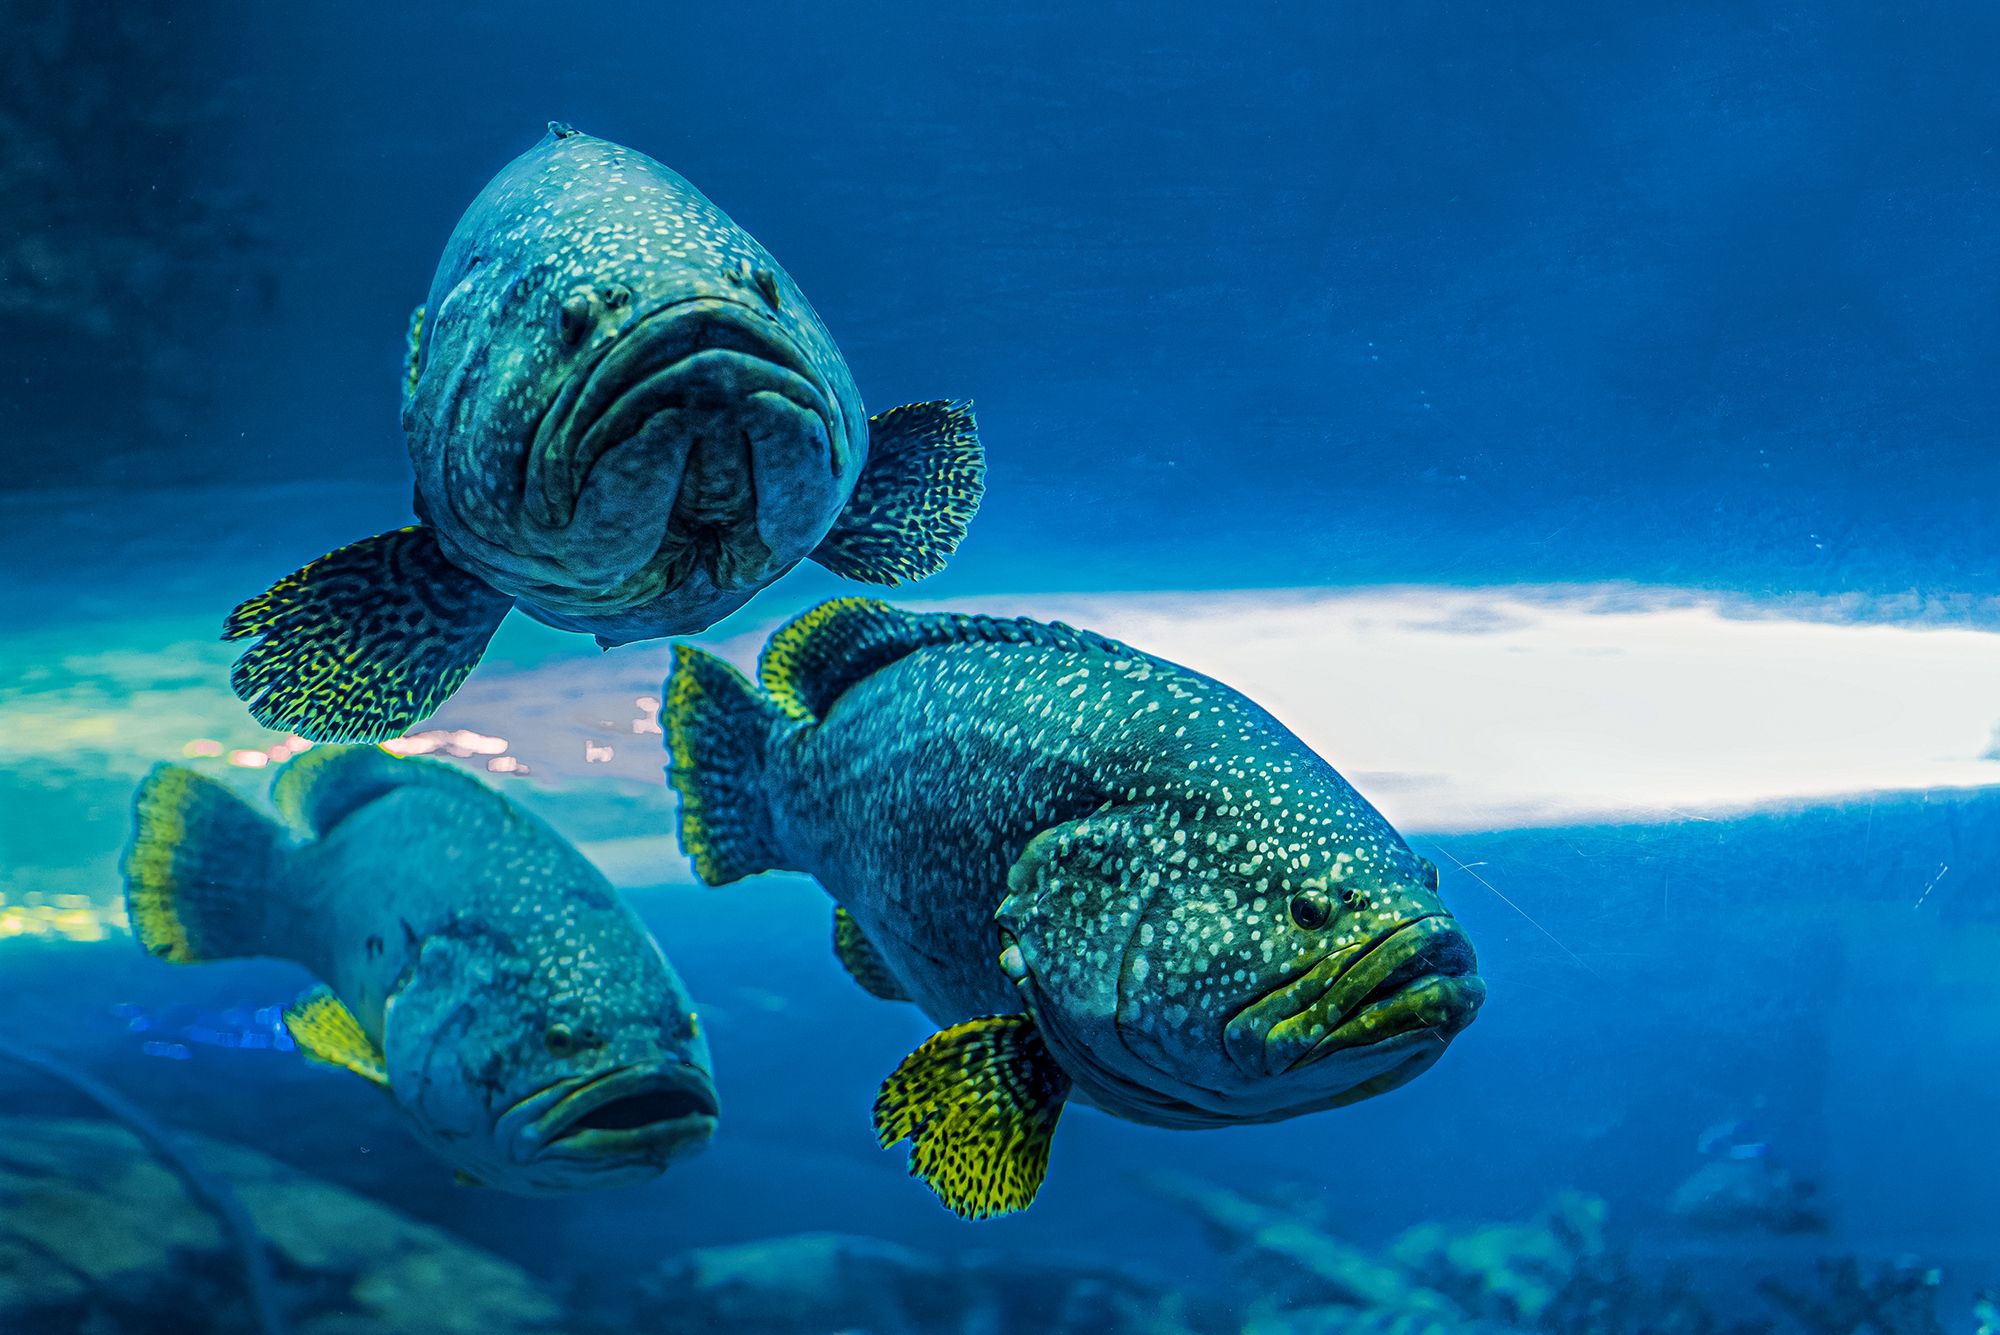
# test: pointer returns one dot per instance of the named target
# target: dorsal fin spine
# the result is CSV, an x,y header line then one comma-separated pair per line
x,y
314,792
818,655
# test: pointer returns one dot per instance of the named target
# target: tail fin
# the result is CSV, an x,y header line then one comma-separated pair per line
x,y
365,641
716,724
200,869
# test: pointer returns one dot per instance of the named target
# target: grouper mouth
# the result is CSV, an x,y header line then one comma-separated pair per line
x,y
701,437
652,1113
1417,979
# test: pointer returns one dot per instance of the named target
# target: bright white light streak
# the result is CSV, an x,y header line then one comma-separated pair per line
x,y
1456,709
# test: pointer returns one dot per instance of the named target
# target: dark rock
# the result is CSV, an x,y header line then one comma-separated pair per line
x,y
95,1235
1898,1300
813,1283
1749,1194
119,254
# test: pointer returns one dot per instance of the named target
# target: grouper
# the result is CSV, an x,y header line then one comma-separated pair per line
x,y
625,420
471,962
1105,878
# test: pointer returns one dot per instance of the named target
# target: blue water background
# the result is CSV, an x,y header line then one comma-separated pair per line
x,y
1697,291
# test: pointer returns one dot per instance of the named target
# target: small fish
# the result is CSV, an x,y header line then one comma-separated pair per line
x,y
1732,1140
625,419
1103,876
473,964
174,1032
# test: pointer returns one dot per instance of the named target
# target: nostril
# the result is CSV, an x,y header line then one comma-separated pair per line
x,y
1353,899
615,295
767,286
578,314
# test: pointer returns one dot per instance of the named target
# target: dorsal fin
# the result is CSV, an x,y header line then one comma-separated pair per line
x,y
816,656
316,791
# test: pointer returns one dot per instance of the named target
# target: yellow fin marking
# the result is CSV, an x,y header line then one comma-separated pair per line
x,y
978,1104
325,1030
680,714
862,961
778,667
149,868
412,365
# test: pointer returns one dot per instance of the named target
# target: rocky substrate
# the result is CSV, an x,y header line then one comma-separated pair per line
x,y
98,1238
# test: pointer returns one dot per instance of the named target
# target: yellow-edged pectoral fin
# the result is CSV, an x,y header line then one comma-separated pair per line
x,y
325,1030
978,1104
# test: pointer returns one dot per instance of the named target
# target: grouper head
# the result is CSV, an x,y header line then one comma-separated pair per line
x,y
621,410
1199,963
541,1074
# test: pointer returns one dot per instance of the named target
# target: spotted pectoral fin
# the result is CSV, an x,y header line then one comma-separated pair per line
x,y
365,641
325,1030
978,1104
925,474
860,958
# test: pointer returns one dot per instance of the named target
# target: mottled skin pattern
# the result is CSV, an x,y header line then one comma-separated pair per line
x,y
498,972
1140,833
622,409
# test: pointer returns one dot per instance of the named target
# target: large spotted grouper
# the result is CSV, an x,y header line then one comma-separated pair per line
x,y
625,419
1103,876
472,962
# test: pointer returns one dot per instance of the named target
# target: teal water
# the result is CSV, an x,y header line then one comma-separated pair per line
x,y
1572,424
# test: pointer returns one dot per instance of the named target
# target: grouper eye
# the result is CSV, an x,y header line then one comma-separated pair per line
x,y
1311,909
578,313
562,1041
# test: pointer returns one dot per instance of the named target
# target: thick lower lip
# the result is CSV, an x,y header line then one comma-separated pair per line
x,y
690,358
1417,979
633,1112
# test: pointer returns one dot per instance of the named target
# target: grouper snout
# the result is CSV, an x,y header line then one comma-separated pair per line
x,y
627,1123
1369,1016
700,436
